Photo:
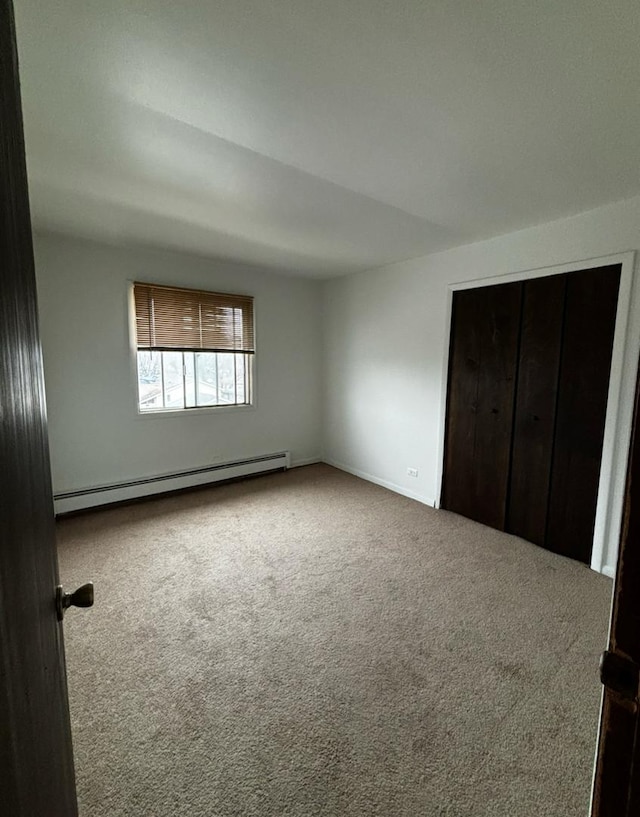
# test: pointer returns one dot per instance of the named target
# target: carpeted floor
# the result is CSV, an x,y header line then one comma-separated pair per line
x,y
307,643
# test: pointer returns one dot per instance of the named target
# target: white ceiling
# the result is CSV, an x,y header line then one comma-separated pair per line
x,y
326,136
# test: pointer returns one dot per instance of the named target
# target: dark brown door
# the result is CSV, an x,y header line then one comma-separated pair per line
x,y
36,765
482,376
589,325
526,405
617,779
536,394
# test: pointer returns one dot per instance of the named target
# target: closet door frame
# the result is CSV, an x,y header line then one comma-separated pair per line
x,y
620,401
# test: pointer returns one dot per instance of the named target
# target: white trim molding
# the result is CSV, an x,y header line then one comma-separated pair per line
x,y
384,483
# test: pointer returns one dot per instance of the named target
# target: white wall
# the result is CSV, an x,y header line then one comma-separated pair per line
x,y
96,435
386,341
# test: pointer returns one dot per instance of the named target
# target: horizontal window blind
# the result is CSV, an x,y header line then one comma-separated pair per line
x,y
175,319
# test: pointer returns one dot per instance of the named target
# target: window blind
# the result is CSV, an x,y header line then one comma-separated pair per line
x,y
175,319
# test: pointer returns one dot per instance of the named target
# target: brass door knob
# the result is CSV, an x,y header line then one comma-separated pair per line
x,y
82,597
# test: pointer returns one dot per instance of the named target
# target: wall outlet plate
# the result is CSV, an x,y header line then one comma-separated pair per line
x,y
413,472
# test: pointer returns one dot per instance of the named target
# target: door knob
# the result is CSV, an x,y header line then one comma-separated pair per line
x,y
82,597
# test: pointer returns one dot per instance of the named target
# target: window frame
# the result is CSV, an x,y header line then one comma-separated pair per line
x,y
187,410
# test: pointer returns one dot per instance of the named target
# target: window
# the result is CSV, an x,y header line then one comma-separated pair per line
x,y
194,349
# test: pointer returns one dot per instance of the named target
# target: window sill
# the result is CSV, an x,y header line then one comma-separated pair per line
x,y
191,412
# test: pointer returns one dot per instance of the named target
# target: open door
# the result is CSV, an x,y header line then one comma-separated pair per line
x,y
36,761
617,776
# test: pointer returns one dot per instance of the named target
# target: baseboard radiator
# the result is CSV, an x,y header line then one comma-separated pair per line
x,y
69,501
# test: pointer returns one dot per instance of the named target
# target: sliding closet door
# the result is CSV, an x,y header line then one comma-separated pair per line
x,y
482,374
536,393
589,324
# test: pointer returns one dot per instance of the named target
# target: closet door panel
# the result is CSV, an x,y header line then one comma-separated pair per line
x,y
536,392
482,369
590,312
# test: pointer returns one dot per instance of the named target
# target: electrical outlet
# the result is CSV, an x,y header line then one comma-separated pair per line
x,y
413,472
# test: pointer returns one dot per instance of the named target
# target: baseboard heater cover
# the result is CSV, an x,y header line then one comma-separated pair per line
x,y
68,501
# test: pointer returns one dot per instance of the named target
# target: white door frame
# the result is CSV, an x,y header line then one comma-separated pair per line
x,y
622,383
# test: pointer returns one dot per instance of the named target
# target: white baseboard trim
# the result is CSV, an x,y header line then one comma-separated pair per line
x,y
384,483
609,571
308,461
66,502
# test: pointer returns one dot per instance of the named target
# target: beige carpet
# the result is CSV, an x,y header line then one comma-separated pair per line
x,y
307,643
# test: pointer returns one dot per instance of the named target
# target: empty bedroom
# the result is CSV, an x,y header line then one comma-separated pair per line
x,y
320,337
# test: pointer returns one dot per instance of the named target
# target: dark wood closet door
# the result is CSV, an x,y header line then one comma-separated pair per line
x,y
590,312
536,392
482,373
